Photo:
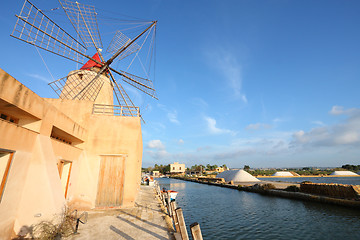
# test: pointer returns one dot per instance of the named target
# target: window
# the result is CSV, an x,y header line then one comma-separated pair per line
x,y
5,163
173,168
179,168
9,118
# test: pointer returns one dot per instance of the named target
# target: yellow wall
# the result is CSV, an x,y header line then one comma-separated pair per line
x,y
34,191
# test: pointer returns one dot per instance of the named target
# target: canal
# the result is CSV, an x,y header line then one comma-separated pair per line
x,y
230,214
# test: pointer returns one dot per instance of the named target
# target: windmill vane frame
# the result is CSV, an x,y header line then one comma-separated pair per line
x,y
35,28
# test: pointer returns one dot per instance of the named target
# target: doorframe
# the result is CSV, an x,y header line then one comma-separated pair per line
x,y
6,173
60,164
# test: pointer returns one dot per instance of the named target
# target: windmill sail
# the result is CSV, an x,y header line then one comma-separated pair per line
x,y
83,18
120,40
35,28
95,81
143,84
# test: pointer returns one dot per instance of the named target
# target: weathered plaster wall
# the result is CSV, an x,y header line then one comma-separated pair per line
x,y
117,135
33,191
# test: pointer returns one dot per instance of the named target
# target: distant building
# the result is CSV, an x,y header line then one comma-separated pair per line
x,y
193,172
220,169
177,168
155,173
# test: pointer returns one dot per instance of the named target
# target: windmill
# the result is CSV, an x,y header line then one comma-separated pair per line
x,y
97,80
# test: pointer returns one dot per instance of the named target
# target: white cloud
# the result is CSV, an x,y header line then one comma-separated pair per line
x,y
157,150
211,124
39,77
156,144
181,142
344,133
339,110
258,126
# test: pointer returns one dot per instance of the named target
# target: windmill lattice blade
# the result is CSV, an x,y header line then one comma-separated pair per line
x,y
143,84
70,86
124,100
34,27
83,18
120,40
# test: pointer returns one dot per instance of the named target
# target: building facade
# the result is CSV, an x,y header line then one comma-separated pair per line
x,y
58,152
177,168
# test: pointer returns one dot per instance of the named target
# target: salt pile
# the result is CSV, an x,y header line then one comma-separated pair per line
x,y
237,176
344,173
283,174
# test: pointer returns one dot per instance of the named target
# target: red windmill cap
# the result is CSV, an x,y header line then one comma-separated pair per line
x,y
89,64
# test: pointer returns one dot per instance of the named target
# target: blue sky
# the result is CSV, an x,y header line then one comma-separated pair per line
x,y
261,83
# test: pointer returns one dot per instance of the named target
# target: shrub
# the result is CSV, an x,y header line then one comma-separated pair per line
x,y
55,229
268,186
292,188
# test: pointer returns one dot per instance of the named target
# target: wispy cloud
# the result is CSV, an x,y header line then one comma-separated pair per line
x,y
39,77
156,144
320,123
135,95
213,129
228,65
200,102
258,126
180,142
277,120
172,116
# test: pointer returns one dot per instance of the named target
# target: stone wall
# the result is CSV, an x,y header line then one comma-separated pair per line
x,y
332,190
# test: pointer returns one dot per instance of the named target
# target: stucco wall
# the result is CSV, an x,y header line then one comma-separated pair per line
x,y
117,135
33,191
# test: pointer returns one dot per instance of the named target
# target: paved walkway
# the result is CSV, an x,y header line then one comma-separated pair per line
x,y
144,221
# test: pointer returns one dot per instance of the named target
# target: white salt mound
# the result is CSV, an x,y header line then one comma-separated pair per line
x,y
237,176
283,174
344,173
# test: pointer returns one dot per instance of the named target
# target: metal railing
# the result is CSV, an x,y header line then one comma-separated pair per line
x,y
116,110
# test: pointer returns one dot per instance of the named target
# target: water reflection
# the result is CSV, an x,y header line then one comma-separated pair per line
x,y
230,214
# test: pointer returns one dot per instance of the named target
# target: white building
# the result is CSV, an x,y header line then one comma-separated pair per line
x,y
177,168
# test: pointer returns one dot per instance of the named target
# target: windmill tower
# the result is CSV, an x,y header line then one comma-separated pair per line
x,y
97,80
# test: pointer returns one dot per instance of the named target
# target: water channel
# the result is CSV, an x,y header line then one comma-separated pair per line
x,y
230,214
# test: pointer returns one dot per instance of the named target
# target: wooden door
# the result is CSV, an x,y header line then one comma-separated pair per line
x,y
111,181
